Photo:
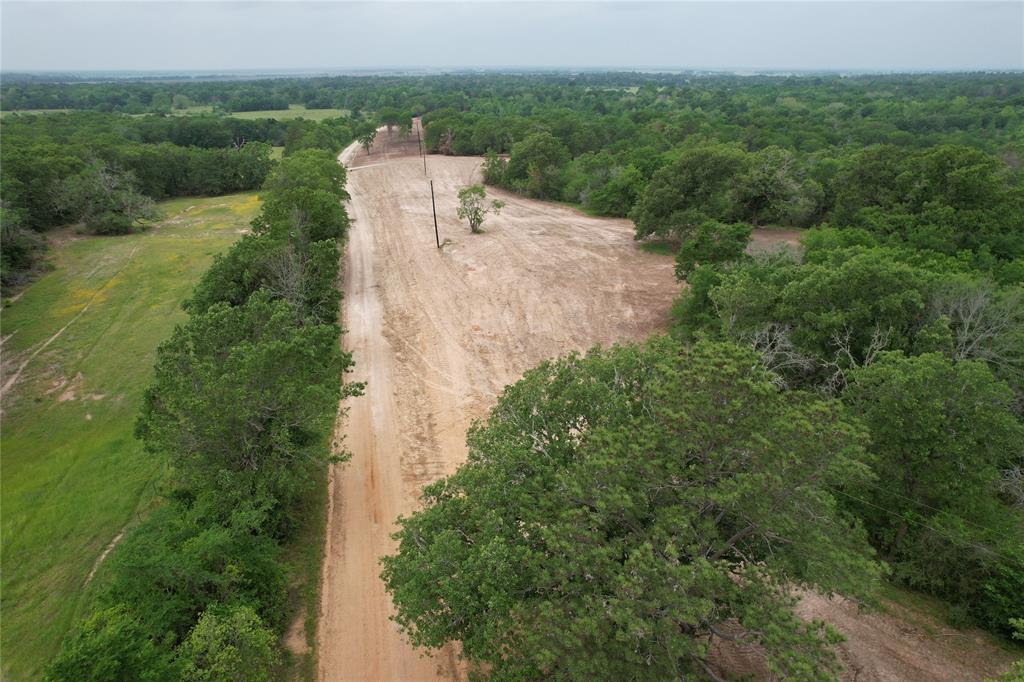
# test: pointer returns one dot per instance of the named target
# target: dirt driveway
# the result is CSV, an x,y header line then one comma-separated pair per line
x,y
437,334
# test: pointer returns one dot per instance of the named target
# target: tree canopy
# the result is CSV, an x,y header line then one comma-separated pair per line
x,y
619,511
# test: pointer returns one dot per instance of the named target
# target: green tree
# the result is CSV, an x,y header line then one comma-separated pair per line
x,y
390,117
229,645
697,186
712,242
769,185
19,247
618,195
473,206
366,139
303,275
617,511
536,164
105,198
942,433
242,398
192,552
306,215
309,169
111,644
838,310
494,169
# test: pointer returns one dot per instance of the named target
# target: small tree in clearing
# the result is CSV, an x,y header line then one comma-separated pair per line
x,y
367,138
473,206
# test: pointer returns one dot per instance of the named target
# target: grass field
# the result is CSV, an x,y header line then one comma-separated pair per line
x,y
196,109
73,475
34,111
293,111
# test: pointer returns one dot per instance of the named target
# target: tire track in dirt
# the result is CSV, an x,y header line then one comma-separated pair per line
x,y
437,334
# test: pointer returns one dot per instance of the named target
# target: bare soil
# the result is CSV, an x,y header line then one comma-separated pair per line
x,y
898,644
437,334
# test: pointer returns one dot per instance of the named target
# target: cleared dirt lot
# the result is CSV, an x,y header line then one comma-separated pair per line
x,y
437,334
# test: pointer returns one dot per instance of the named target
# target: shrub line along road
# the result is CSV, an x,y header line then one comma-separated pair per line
x,y
437,335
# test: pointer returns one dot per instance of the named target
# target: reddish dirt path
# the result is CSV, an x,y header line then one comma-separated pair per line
x,y
437,334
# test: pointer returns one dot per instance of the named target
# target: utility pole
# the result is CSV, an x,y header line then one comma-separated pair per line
x,y
419,143
433,207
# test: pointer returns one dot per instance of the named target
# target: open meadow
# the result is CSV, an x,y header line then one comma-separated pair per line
x,y
292,112
78,350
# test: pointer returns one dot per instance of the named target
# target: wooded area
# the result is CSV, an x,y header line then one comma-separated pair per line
x,y
827,417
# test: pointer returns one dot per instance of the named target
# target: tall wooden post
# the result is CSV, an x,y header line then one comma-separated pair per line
x,y
433,207
419,143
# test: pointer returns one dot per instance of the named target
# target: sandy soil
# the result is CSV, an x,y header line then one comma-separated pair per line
x,y
437,334
901,645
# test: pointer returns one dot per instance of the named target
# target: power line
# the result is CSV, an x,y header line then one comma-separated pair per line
x,y
976,545
928,506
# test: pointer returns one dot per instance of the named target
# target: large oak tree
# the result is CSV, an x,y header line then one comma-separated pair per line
x,y
621,510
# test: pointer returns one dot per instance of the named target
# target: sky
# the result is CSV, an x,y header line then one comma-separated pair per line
x,y
41,35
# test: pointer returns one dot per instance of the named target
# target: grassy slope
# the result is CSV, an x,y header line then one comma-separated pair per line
x,y
73,475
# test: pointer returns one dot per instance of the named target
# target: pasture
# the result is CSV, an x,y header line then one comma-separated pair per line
x,y
78,350
292,112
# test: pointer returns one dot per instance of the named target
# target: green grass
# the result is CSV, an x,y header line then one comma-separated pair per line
x,y
34,111
277,153
304,554
293,111
194,109
73,475
660,247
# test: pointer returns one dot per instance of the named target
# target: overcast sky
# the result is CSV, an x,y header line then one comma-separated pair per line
x,y
876,36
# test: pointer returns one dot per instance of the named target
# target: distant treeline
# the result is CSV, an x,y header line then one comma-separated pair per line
x,y
907,106
241,406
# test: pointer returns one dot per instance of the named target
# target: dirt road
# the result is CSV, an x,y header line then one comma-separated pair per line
x,y
437,334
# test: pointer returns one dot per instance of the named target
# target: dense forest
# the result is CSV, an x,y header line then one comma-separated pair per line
x,y
828,417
